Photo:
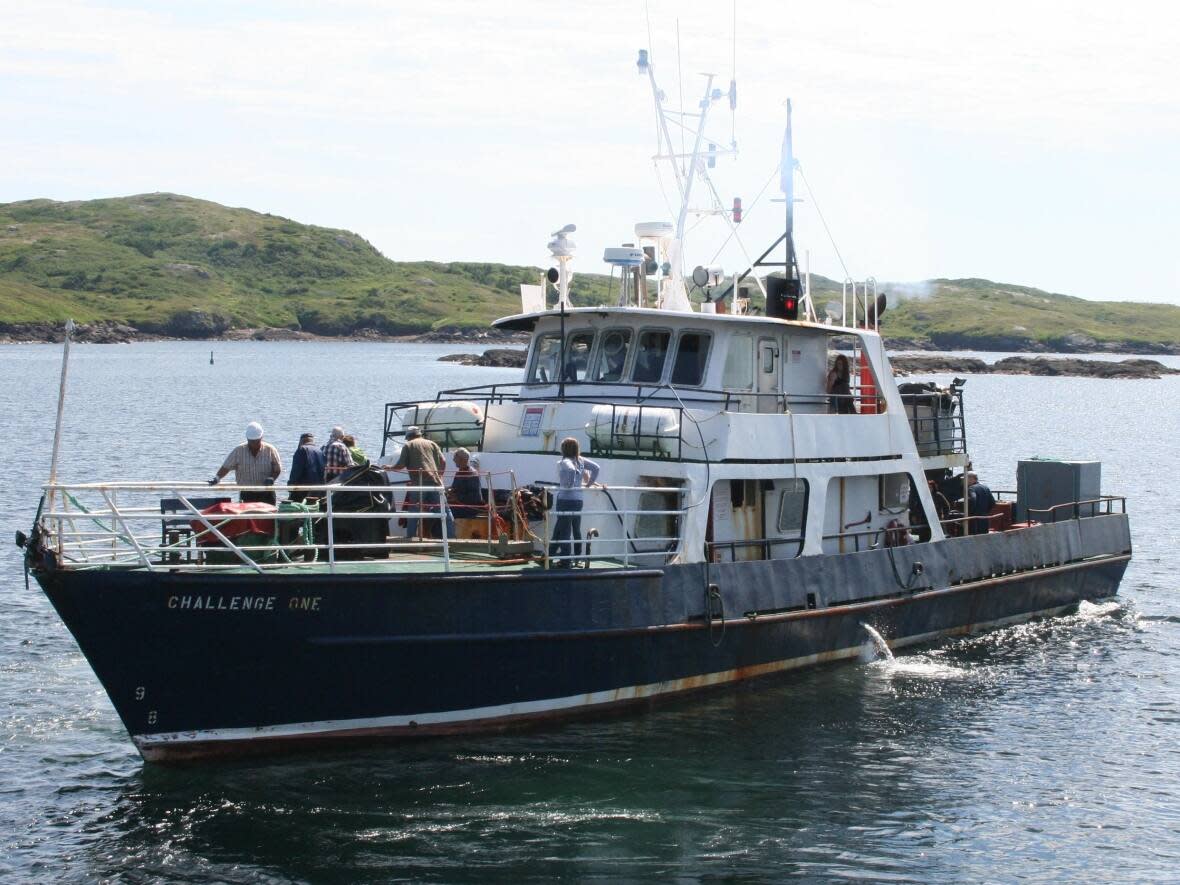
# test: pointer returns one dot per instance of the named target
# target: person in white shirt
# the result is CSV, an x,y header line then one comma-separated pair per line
x,y
254,463
573,474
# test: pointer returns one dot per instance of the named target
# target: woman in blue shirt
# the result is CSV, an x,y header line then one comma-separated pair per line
x,y
573,473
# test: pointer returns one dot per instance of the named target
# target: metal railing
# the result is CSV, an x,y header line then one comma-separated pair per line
x,y
1100,506
766,548
629,396
959,524
159,526
937,421
872,538
164,527
616,531
858,303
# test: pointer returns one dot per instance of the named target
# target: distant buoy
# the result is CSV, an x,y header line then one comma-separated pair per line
x,y
210,357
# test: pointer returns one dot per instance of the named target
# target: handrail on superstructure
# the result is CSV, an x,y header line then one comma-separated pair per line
x,y
642,396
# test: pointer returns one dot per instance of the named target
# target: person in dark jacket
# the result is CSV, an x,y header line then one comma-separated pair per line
x,y
307,467
980,502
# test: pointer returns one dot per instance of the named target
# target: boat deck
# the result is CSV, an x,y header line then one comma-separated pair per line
x,y
401,564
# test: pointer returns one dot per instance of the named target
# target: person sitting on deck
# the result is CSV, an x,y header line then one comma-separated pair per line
x,y
337,458
307,466
466,490
357,453
254,463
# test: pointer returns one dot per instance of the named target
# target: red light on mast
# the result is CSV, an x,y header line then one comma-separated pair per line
x,y
737,210
791,307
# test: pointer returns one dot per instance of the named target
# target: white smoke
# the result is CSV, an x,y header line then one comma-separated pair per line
x,y
901,292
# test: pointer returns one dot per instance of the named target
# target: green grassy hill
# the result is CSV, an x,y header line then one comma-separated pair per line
x,y
979,314
171,264
148,259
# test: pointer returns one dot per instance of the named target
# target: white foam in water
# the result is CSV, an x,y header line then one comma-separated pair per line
x,y
1087,609
919,668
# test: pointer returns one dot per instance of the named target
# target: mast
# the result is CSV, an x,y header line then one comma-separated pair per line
x,y
784,295
687,168
61,405
787,185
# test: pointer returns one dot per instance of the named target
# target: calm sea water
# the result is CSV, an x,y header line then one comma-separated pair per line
x,y
1045,752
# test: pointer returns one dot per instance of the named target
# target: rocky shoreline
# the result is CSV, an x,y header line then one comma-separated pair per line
x,y
121,333
197,325
502,357
1023,365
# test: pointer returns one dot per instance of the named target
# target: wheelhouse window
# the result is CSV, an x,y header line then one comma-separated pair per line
x,y
546,354
612,355
792,507
692,352
577,355
651,356
895,492
739,363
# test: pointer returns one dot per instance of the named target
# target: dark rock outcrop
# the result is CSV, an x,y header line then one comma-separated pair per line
x,y
1023,365
498,357
1019,365
932,365
93,333
192,323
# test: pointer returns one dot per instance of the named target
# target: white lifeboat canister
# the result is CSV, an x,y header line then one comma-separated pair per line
x,y
450,423
635,429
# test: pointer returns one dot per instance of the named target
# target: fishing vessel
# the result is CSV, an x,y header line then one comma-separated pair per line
x,y
749,520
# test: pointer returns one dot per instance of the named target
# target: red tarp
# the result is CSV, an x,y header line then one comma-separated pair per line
x,y
233,520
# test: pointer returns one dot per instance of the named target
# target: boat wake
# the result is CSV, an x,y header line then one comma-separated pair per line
x,y
1087,609
879,645
917,667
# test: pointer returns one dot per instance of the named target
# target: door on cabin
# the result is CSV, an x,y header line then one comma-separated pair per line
x,y
768,375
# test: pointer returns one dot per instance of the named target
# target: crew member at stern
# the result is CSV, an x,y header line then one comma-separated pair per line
x,y
254,463
980,502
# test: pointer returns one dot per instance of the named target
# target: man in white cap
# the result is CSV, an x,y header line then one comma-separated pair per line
x,y
254,463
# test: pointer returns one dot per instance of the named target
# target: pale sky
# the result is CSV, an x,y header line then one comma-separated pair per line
x,y
1024,141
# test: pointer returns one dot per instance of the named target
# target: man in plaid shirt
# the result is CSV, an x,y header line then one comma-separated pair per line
x,y
254,463
337,458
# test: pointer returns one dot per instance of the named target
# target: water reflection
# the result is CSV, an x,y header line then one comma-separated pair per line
x,y
851,768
